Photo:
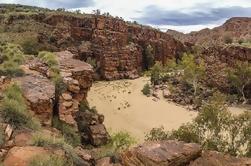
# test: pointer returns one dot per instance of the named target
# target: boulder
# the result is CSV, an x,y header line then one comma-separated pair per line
x,y
91,128
161,153
85,155
21,156
166,93
40,94
213,158
23,139
8,132
106,161
3,153
98,134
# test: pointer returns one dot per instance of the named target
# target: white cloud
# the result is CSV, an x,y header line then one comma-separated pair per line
x,y
129,9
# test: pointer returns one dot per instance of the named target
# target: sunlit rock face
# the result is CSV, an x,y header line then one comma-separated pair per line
x,y
40,94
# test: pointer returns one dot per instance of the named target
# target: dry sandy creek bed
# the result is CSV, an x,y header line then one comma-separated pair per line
x,y
126,109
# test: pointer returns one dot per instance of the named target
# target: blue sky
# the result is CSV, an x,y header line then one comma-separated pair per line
x,y
181,15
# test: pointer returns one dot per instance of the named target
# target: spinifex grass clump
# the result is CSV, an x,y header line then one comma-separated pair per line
x,y
11,57
56,142
118,143
2,136
49,160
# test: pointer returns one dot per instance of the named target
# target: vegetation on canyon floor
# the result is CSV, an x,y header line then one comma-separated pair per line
x,y
214,128
189,76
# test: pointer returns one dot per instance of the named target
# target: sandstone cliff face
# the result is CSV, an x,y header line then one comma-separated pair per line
x,y
116,46
77,77
218,59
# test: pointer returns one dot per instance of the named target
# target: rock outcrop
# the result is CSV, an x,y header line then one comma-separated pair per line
x,y
174,153
162,153
40,95
212,158
91,127
21,156
217,60
117,47
77,77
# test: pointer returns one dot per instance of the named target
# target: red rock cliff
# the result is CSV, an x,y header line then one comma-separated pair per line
x,y
115,45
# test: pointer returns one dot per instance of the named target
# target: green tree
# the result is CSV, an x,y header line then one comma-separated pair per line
x,y
146,90
240,77
193,72
148,57
155,73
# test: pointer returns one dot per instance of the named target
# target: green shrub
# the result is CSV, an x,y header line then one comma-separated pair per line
x,y
51,160
92,62
148,57
2,136
14,111
186,133
84,106
119,142
157,134
146,90
47,141
240,77
11,57
69,133
30,46
48,58
240,41
10,68
228,39
156,71
56,142
12,52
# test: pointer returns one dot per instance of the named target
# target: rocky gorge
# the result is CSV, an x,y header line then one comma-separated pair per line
x,y
89,48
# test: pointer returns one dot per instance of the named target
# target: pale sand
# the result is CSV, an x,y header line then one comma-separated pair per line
x,y
141,115
126,109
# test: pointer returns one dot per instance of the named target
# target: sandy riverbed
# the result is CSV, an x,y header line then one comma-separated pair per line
x,y
126,108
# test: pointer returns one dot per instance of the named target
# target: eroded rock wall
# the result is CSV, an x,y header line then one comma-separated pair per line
x,y
116,46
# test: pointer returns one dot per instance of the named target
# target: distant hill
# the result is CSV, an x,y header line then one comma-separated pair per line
x,y
237,29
